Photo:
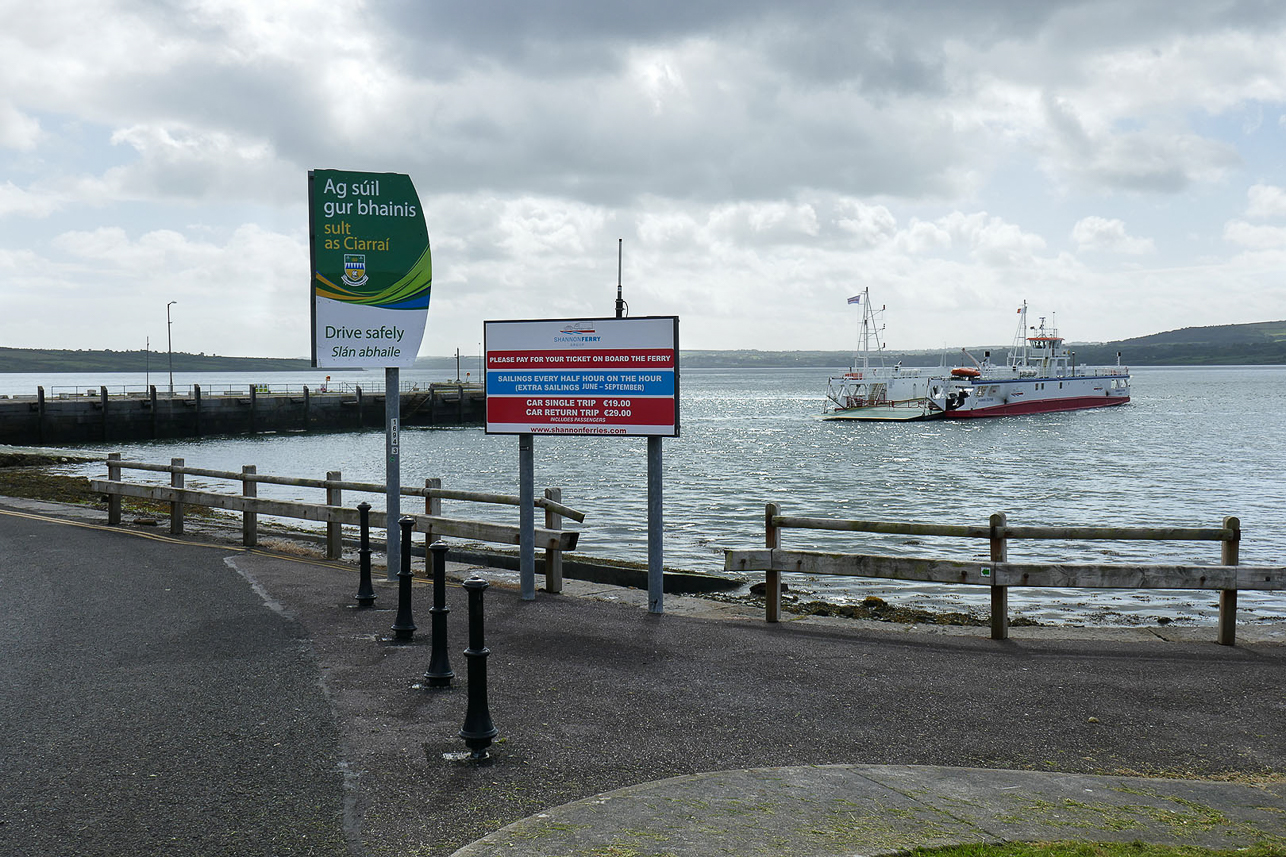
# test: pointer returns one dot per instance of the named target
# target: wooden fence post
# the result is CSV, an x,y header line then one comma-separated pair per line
x,y
40,414
772,577
334,529
1230,554
999,594
113,500
553,556
249,519
432,507
176,508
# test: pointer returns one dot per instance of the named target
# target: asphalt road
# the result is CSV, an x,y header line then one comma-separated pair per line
x,y
151,704
153,696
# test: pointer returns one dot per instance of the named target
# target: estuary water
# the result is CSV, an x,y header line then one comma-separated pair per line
x,y
1193,446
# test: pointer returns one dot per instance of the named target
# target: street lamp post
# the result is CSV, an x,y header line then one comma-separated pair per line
x,y
169,339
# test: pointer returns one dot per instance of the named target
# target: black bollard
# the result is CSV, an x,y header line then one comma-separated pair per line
x,y
440,673
404,627
478,729
365,592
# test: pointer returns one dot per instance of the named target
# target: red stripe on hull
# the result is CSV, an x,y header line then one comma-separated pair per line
x,y
1041,406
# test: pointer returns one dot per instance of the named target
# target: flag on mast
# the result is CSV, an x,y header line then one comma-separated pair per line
x,y
856,299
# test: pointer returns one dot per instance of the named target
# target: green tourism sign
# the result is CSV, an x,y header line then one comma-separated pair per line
x,y
371,269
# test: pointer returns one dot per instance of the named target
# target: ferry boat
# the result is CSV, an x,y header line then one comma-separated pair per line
x,y
1039,376
885,393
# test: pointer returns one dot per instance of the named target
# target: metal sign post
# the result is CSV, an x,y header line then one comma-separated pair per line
x,y
655,529
527,517
393,469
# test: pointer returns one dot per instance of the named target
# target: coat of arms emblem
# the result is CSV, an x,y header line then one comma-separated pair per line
x,y
355,269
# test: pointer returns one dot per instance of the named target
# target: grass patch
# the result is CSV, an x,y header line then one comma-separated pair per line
x,y
628,844
1089,849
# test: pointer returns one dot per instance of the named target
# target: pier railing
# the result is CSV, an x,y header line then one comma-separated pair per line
x,y
75,415
552,537
999,575
143,391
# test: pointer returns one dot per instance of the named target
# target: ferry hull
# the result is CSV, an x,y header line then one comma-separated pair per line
x,y
883,414
1039,406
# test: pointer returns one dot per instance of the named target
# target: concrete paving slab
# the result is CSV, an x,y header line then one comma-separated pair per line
x,y
1031,805
868,810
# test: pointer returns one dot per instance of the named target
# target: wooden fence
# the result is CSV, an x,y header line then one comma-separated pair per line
x,y
999,574
552,536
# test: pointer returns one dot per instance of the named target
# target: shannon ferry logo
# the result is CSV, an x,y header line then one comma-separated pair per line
x,y
355,269
577,333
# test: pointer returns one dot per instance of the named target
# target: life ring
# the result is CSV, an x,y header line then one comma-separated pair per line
x,y
965,372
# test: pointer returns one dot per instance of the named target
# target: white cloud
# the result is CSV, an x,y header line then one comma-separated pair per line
x,y
659,80
1161,157
178,163
992,240
16,201
1265,201
17,129
921,237
1255,237
1109,235
870,224
764,222
238,295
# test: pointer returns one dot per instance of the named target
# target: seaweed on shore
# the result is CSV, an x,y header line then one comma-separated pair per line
x,y
875,608
28,475
24,474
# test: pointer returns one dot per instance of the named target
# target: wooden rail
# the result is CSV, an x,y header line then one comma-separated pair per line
x,y
554,539
999,574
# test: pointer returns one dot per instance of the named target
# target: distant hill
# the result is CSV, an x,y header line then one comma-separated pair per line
x,y
58,360
1219,334
1259,343
1222,344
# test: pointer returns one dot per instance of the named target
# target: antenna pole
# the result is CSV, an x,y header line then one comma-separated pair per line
x,y
620,301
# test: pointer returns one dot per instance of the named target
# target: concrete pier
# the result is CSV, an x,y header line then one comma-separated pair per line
x,y
103,417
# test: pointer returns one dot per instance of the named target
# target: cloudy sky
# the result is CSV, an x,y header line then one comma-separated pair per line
x,y
1119,164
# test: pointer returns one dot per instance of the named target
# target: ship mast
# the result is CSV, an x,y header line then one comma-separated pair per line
x,y
867,330
1018,354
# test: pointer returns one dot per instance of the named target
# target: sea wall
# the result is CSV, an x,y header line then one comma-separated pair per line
x,y
102,418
